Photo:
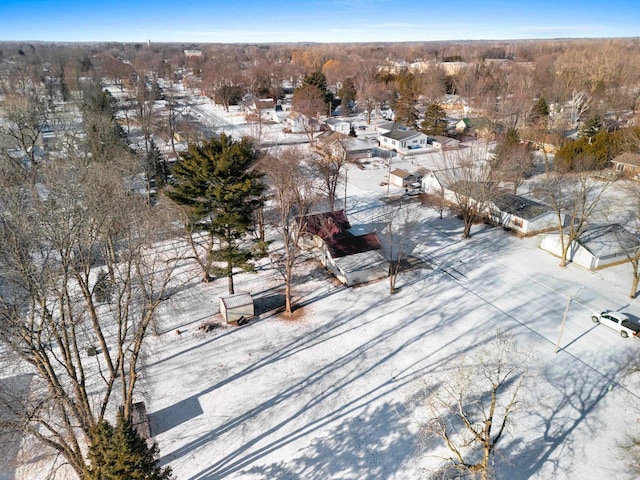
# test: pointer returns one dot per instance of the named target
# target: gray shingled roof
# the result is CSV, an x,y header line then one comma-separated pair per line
x,y
520,206
401,134
606,240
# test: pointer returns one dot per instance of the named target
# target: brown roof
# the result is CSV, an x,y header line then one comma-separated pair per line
x,y
326,225
332,227
400,173
628,159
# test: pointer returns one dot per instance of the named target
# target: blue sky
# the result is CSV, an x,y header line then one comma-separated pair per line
x,y
232,21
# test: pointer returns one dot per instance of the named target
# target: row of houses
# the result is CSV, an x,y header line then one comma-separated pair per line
x,y
599,245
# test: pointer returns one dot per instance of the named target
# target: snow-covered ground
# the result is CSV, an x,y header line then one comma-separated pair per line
x,y
335,392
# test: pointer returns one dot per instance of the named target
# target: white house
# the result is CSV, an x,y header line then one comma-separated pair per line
x,y
338,125
403,140
522,215
599,246
436,182
299,123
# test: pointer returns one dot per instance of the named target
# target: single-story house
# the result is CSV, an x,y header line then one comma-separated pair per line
x,y
356,147
237,307
389,127
299,123
444,143
403,140
522,215
338,125
353,259
599,246
435,183
265,107
401,178
627,164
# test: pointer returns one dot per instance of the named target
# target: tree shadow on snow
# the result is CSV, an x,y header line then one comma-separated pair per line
x,y
374,445
569,408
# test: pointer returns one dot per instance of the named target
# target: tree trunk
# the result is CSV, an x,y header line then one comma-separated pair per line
x,y
634,284
287,298
230,283
467,229
393,275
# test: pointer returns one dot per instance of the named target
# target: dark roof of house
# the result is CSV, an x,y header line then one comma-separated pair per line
x,y
332,228
399,134
520,206
348,244
628,159
326,224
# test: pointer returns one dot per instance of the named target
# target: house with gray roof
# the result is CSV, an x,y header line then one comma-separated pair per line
x,y
598,247
403,140
522,215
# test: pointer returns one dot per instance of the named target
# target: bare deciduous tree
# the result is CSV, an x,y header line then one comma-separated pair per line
x,y
473,407
469,179
293,198
26,115
579,103
308,100
628,239
395,229
328,164
80,287
574,199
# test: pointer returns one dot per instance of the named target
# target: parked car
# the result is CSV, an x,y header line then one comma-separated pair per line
x,y
618,322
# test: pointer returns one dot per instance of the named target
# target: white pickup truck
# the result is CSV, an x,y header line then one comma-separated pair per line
x,y
618,322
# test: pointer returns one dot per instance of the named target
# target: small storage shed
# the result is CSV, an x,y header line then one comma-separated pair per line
x,y
237,307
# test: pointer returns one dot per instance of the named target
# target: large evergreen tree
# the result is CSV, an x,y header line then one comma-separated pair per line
x,y
218,184
118,453
347,94
319,80
435,120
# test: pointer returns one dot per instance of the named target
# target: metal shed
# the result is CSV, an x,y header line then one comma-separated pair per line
x,y
237,307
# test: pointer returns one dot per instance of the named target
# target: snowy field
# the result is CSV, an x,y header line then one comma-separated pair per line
x,y
336,391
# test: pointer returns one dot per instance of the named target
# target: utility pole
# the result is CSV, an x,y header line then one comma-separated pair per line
x,y
564,317
388,174
346,177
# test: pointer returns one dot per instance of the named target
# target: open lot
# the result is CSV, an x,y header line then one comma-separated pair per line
x,y
336,391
